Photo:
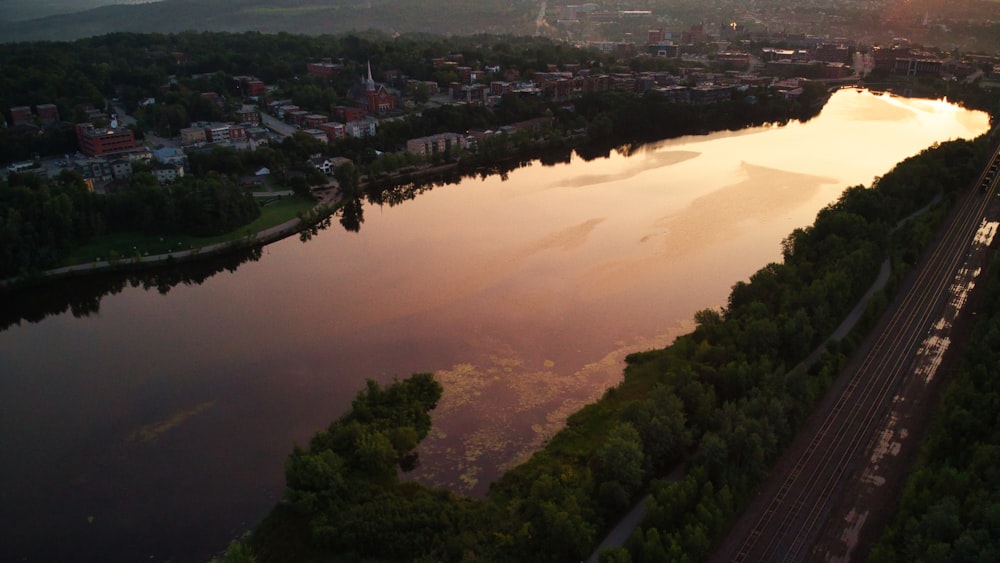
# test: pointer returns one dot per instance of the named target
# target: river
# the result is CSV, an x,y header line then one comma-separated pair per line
x,y
153,425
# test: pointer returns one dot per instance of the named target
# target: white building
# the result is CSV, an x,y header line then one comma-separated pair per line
x,y
364,127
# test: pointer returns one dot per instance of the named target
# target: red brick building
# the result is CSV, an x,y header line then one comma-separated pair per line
x,y
99,142
348,114
333,130
375,98
326,69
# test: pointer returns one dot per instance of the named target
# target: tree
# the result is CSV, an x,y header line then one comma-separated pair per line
x,y
621,459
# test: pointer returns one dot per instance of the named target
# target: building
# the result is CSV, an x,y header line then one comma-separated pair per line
x,y
434,144
314,120
48,114
170,155
664,49
250,86
98,142
428,86
192,135
374,98
166,173
347,113
248,114
237,133
832,53
20,115
258,137
469,93
296,117
326,69
217,133
360,127
918,67
711,94
96,172
121,168
284,109
317,134
333,130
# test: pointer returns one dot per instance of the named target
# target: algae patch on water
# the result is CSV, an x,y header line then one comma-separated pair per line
x,y
150,432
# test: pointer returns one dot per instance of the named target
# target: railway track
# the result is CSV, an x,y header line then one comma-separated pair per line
x,y
784,530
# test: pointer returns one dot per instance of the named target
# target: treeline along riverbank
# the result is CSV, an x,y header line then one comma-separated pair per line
x,y
721,402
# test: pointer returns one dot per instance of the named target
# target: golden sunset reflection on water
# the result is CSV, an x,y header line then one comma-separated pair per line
x,y
161,414
609,257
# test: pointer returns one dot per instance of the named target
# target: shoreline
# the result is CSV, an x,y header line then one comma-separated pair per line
x,y
325,207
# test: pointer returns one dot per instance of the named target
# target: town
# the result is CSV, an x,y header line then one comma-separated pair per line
x,y
695,66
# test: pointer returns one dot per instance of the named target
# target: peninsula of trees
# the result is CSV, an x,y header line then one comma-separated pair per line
x,y
718,406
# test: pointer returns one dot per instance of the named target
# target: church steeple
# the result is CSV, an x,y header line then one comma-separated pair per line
x,y
371,81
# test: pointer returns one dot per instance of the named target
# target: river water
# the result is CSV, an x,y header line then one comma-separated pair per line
x,y
153,425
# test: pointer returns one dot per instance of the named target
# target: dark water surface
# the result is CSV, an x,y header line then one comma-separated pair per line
x,y
154,426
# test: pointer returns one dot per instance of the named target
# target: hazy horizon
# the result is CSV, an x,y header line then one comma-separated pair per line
x,y
21,10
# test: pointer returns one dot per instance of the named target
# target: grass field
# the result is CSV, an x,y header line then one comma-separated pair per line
x,y
130,245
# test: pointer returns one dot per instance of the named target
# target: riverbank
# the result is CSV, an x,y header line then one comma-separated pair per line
x,y
240,239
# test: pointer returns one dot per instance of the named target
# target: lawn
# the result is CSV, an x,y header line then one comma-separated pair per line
x,y
129,245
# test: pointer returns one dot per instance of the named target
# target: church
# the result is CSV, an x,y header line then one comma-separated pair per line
x,y
373,97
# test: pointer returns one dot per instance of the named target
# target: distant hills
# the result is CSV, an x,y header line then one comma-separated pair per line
x,y
459,17
19,10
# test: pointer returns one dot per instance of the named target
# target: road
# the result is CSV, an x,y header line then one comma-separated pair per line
x,y
276,125
791,510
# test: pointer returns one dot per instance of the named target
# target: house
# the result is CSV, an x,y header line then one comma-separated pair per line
x,y
322,163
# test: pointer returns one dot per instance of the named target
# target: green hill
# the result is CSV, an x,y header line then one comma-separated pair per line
x,y
459,17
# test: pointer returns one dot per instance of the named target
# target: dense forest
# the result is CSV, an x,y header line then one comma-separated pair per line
x,y
720,404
